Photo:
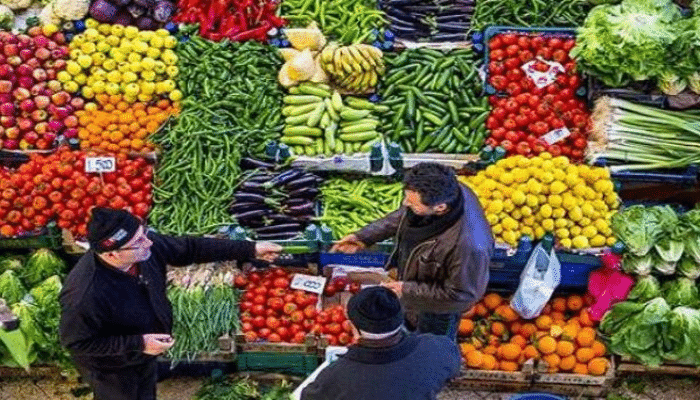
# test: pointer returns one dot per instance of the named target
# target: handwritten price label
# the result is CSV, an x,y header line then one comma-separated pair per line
x,y
309,283
543,79
100,164
556,135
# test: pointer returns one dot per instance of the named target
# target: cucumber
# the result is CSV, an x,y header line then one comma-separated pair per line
x,y
291,111
316,115
307,88
359,128
359,137
301,131
301,99
354,115
296,140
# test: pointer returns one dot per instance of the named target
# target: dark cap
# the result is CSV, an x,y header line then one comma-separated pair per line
x,y
375,310
111,229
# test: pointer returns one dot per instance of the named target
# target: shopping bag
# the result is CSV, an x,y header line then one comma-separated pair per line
x,y
539,278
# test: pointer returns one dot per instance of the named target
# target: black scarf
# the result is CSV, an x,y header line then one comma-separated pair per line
x,y
421,228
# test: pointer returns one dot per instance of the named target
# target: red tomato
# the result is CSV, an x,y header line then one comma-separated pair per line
x,y
272,323
495,43
299,337
251,336
289,308
275,303
344,338
498,81
246,305
259,299
496,68
512,50
523,148
523,42
512,63
259,322
568,45
509,38
258,309
498,55
514,89
545,53
310,312
507,145
283,332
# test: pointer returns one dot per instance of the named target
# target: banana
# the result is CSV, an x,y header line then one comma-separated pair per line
x,y
374,79
337,61
345,61
359,58
367,54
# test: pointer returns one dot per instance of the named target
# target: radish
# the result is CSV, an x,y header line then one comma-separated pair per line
x,y
25,124
10,50
55,125
31,137
40,75
6,70
11,144
26,82
26,54
5,87
41,41
14,61
70,133
60,98
25,70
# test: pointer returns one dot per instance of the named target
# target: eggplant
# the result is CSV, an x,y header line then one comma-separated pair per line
x,y
123,18
252,163
451,18
302,209
304,181
294,226
163,11
449,37
255,214
288,219
395,3
294,201
250,186
402,15
283,178
103,11
278,236
242,207
260,177
453,28
249,197
305,192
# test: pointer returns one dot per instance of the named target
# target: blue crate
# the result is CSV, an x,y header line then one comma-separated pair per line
x,y
575,270
676,176
492,31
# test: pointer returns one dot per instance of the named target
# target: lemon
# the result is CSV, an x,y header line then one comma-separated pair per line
x,y
109,64
598,241
63,76
508,205
510,223
488,184
492,219
565,242
132,90
159,67
547,177
528,220
558,213
527,231
49,29
90,107
497,229
533,186
131,32
580,242
604,186
169,57
98,87
114,76
87,92
506,178
568,201
554,200
516,214
562,233
71,86
575,230
611,200
113,88
587,209
169,42
495,207
98,58
153,52
601,225
497,195
118,55
85,61
546,210
560,162
589,231
572,180
157,42
526,211
610,241
140,46
172,71
88,48
548,224
575,213
561,223
134,57
524,162
585,221
532,200
91,34
539,232
518,197
510,237
129,77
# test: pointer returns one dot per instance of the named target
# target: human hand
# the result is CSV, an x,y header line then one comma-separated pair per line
x,y
267,251
157,343
348,244
395,287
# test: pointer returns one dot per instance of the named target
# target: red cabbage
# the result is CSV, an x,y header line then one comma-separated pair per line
x,y
103,11
163,11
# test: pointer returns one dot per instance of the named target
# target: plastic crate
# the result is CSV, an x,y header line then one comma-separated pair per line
x,y
676,176
49,238
492,31
284,363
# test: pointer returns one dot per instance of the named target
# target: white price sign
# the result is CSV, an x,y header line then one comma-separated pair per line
x,y
543,78
100,164
556,135
309,283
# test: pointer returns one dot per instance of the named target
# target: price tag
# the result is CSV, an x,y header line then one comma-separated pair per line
x,y
543,78
556,135
309,283
100,164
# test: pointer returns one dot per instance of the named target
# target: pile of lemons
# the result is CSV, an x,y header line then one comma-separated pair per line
x,y
116,59
533,196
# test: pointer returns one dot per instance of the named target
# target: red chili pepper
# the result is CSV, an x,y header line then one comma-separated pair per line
x,y
257,33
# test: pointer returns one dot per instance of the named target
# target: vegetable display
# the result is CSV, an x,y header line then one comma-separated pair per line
x,y
276,205
541,111
237,21
350,205
145,14
532,196
429,20
243,389
492,336
638,137
32,105
318,122
433,100
353,21
529,13
233,108
114,59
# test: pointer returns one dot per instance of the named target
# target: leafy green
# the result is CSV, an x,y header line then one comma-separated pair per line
x,y
645,289
680,292
11,289
243,389
42,264
638,265
662,266
688,267
638,228
682,336
670,244
17,347
11,263
691,222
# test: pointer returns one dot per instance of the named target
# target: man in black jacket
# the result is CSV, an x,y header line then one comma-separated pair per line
x,y
387,362
116,318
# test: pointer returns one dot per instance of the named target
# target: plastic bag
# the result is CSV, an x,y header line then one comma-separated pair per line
x,y
539,278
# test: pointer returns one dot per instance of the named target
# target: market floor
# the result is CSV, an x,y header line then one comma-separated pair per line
x,y
182,388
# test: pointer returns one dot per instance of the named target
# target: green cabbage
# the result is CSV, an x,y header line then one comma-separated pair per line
x,y
670,243
638,265
662,266
688,267
681,339
645,289
691,223
11,289
680,292
42,264
12,263
638,227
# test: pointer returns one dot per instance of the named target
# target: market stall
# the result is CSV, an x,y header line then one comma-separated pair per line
x,y
293,121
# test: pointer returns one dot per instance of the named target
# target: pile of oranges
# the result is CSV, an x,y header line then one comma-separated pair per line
x,y
114,125
494,337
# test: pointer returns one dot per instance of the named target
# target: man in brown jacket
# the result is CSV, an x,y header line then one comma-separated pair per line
x,y
443,248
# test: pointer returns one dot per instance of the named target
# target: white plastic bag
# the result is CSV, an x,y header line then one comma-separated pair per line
x,y
539,278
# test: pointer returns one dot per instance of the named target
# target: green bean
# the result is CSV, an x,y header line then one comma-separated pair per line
x,y
529,13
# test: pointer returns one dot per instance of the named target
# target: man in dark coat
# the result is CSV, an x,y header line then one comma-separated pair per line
x,y
443,248
116,318
387,362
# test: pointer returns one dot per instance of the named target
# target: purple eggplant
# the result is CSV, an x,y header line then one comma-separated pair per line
x,y
243,207
305,192
296,227
302,209
283,178
163,11
103,11
255,215
123,18
278,236
304,181
252,163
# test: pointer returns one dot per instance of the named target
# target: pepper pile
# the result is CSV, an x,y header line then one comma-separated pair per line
x,y
237,20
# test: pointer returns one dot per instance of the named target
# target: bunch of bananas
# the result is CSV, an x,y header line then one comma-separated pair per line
x,y
355,68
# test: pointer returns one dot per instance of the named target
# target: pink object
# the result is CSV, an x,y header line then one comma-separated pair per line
x,y
608,285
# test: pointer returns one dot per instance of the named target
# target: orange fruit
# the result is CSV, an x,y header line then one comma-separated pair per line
x,y
508,366
506,313
489,363
469,314
585,337
557,316
466,348
515,327
584,354
547,345
570,331
547,309
519,340
494,340
567,363
574,303
530,351
581,369
588,300
565,348
584,319
559,304
527,330
510,351
475,359
491,350
543,322
466,327
481,310
597,366
552,361
598,348
492,301
498,328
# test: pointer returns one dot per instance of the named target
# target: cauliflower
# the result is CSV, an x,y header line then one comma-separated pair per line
x,y
47,16
70,10
7,18
16,4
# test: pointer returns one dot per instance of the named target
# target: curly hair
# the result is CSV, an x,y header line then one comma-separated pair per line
x,y
435,183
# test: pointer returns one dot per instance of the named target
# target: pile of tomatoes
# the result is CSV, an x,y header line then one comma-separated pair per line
x,y
271,311
56,187
522,113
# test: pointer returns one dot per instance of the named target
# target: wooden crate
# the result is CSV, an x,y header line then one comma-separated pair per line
x,y
494,381
573,384
628,365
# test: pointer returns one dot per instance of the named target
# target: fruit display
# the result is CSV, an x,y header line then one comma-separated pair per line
x,y
56,187
532,196
493,337
33,107
113,125
318,122
114,59
355,68
273,312
541,111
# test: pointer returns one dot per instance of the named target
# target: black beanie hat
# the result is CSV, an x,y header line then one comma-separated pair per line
x,y
110,229
375,310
